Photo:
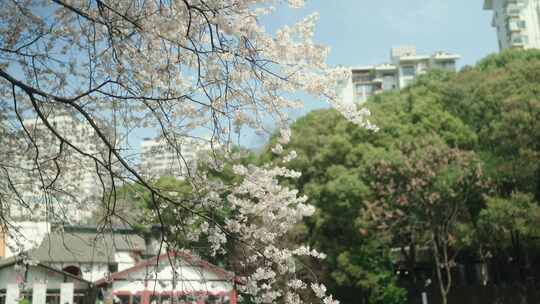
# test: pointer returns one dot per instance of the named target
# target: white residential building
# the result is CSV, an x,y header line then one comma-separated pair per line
x,y
404,68
76,189
517,22
159,158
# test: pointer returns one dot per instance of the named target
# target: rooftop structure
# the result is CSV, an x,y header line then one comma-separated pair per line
x,y
404,68
517,22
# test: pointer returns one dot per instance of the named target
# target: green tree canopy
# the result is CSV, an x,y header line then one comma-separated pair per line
x,y
491,110
336,158
499,100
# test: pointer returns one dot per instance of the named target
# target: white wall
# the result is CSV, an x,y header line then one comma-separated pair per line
x,y
124,260
190,278
345,91
90,271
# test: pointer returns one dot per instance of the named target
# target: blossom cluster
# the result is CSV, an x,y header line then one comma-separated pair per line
x,y
176,68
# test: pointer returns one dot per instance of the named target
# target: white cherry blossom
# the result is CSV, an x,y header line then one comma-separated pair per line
x,y
177,68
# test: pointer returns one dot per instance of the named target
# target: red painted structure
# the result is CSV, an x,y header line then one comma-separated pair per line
x,y
147,296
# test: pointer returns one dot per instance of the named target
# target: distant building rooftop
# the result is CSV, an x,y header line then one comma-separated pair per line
x,y
404,67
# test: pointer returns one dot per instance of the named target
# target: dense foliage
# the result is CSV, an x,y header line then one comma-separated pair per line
x,y
453,168
485,120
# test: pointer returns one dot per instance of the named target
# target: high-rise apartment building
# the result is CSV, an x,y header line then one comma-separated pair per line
x,y
517,22
75,189
404,68
160,158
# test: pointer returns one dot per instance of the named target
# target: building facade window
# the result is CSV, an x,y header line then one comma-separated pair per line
x,y
520,39
74,270
364,89
365,77
447,65
512,10
389,82
408,70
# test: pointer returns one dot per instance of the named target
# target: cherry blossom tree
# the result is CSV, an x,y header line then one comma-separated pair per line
x,y
422,195
180,68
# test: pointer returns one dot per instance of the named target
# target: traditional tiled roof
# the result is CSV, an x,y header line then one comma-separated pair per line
x,y
84,247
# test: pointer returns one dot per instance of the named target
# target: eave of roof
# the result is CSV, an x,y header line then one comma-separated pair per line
x,y
386,67
413,58
16,259
8,261
363,68
445,56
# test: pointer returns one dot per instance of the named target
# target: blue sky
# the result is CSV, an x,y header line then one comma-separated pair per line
x,y
361,32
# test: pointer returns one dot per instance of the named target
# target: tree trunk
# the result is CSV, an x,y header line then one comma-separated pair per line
x,y
412,259
517,253
444,288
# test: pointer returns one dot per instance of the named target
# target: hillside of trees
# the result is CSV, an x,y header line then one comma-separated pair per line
x,y
443,198
451,179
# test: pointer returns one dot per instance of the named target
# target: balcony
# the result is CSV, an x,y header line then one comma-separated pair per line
x,y
363,75
515,25
512,10
508,3
517,40
513,13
